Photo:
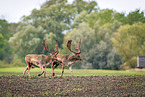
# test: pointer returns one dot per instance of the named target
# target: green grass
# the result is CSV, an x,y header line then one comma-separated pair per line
x,y
76,72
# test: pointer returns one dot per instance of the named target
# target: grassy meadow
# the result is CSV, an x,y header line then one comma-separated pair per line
x,y
77,72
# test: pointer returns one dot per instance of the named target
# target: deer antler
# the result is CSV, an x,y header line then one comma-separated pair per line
x,y
69,47
45,47
56,48
78,48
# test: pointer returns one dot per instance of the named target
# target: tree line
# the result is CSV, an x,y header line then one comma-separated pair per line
x,y
110,40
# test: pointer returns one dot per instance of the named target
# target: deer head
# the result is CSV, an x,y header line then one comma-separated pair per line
x,y
77,55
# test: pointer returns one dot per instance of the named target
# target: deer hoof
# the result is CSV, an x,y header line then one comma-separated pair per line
x,y
53,74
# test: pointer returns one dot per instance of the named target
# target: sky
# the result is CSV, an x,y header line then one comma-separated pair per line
x,y
13,10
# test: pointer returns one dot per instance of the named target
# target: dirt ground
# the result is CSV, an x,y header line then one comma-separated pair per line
x,y
72,86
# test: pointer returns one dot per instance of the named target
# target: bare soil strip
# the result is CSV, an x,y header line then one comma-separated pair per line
x,y
72,86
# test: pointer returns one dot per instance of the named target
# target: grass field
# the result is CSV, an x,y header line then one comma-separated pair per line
x,y
76,72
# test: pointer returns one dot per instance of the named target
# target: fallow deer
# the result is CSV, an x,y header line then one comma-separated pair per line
x,y
68,60
34,60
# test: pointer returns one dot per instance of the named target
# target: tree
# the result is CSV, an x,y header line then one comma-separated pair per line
x,y
89,18
135,16
103,55
28,40
98,18
86,34
4,29
3,46
5,33
81,5
129,43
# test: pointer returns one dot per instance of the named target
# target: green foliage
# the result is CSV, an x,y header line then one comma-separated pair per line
x,y
135,16
2,45
82,5
17,62
5,51
27,40
99,18
4,29
3,64
103,55
106,16
129,42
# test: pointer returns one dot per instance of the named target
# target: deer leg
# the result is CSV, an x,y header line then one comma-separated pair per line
x,y
62,70
29,71
52,68
27,68
70,68
42,70
25,71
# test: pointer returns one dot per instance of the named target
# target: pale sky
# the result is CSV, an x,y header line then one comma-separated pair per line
x,y
13,10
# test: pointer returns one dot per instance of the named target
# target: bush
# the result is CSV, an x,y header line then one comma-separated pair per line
x,y
132,63
3,64
18,63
